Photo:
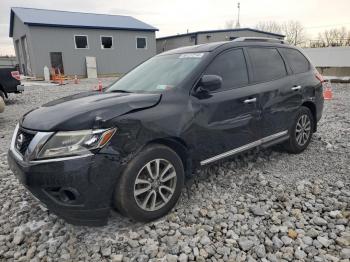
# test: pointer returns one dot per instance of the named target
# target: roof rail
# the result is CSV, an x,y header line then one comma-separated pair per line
x,y
259,39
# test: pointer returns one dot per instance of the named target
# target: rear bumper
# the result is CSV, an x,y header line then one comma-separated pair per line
x,y
79,190
319,101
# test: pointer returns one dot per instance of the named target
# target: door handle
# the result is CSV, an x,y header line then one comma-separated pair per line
x,y
251,100
294,88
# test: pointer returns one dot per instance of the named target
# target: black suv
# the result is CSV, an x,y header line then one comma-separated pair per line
x,y
132,145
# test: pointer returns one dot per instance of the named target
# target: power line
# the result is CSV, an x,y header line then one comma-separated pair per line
x,y
322,26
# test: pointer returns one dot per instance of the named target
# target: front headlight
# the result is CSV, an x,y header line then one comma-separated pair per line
x,y
72,143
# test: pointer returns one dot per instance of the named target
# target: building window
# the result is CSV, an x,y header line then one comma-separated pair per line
x,y
141,42
106,42
81,42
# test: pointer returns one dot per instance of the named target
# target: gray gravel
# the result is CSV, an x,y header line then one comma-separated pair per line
x,y
261,206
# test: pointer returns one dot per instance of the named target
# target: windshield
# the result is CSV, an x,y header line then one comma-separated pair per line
x,y
158,73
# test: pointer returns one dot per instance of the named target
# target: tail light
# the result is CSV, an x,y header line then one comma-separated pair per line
x,y
15,75
319,77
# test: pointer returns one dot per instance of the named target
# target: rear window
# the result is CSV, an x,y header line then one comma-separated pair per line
x,y
267,64
297,61
231,66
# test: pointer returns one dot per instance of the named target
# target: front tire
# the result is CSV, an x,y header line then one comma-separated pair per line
x,y
300,132
151,184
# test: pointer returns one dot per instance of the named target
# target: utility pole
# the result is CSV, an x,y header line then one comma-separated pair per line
x,y
239,8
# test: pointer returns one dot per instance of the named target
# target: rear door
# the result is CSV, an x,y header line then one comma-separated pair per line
x,y
270,77
227,120
301,80
303,84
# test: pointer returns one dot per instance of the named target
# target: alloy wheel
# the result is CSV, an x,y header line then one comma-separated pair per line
x,y
303,130
155,184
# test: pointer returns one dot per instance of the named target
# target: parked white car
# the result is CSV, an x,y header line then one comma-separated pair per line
x,y
2,105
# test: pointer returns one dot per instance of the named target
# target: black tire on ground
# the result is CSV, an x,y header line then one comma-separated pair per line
x,y
292,145
125,200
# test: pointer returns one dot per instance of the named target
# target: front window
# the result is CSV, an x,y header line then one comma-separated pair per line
x,y
81,42
158,73
106,42
141,43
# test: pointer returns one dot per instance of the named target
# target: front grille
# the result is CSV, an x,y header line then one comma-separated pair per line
x,y
23,139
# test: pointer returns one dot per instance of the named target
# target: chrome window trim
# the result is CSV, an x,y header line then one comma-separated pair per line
x,y
244,147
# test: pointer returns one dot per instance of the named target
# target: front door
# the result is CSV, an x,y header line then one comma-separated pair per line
x,y
227,120
57,61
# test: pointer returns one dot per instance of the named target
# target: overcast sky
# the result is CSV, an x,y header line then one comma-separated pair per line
x,y
176,16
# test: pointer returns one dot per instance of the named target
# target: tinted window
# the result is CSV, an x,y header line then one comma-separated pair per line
x,y
81,41
297,61
231,67
267,64
106,42
141,43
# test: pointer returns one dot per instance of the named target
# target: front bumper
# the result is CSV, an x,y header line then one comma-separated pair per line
x,y
77,189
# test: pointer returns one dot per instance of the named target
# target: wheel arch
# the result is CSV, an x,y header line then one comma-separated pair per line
x,y
180,148
312,107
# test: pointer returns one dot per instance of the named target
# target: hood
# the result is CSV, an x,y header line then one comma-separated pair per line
x,y
80,111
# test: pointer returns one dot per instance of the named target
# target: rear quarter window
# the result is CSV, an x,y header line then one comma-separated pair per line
x,y
267,64
296,60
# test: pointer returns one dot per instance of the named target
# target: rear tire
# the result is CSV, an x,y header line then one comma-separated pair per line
x,y
300,132
151,184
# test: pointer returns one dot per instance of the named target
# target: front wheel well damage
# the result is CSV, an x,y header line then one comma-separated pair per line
x,y
180,148
312,107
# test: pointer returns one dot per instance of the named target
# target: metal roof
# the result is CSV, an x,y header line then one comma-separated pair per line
x,y
221,31
66,19
329,56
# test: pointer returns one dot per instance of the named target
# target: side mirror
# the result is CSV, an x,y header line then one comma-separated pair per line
x,y
209,83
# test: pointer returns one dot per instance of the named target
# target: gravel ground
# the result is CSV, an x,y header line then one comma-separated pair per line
x,y
260,206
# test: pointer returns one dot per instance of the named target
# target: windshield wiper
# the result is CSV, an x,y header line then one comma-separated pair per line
x,y
119,91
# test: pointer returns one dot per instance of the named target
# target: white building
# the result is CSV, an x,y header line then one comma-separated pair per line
x,y
331,61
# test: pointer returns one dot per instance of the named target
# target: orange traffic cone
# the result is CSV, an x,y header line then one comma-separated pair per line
x,y
327,93
100,86
76,81
61,80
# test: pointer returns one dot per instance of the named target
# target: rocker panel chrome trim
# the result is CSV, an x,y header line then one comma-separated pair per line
x,y
245,147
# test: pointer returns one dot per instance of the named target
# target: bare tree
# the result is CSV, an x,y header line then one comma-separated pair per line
x,y
294,33
269,26
293,30
333,37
